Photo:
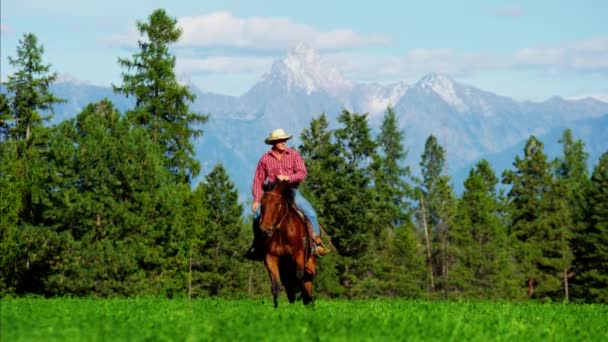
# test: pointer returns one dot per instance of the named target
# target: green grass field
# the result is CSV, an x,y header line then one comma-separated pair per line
x,y
34,319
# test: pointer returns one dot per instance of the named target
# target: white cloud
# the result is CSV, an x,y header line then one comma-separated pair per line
x,y
411,66
128,39
600,97
190,65
584,56
223,30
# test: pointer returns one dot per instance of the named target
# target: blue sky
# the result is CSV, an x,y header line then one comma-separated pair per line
x,y
522,49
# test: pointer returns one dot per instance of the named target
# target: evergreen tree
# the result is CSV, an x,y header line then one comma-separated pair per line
x,y
10,206
390,175
28,95
6,117
23,139
594,262
343,193
161,102
349,207
217,263
483,268
321,157
119,222
437,205
396,259
572,173
541,222
28,90
319,154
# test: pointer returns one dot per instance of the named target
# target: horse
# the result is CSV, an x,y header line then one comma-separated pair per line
x,y
288,258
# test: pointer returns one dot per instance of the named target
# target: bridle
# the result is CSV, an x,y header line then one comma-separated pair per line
x,y
283,202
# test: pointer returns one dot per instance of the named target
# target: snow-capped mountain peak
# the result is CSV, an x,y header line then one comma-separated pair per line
x,y
302,68
444,87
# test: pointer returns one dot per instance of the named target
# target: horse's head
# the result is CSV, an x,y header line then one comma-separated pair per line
x,y
275,206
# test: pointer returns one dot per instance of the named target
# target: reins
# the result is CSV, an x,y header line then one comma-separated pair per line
x,y
286,207
307,250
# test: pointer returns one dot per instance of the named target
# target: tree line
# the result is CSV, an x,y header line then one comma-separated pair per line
x,y
103,204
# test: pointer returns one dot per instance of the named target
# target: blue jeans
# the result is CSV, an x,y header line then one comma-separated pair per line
x,y
303,204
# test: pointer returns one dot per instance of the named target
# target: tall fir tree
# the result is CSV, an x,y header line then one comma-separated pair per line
x,y
28,92
25,108
319,154
541,223
593,269
572,173
217,249
390,175
10,206
396,253
350,211
162,104
107,195
321,157
483,268
437,206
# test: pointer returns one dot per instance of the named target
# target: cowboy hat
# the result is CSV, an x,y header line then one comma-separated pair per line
x,y
277,134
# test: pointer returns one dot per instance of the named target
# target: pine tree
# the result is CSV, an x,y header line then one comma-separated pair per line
x,y
28,90
437,205
106,193
390,175
161,102
23,139
339,178
594,262
398,265
217,249
483,269
28,96
318,152
541,222
352,196
10,207
6,117
321,158
572,173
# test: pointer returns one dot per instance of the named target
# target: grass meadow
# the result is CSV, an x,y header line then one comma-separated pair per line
x,y
155,319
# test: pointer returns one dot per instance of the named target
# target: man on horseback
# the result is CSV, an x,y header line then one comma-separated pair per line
x,y
284,164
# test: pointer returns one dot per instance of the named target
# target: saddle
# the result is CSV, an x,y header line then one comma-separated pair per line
x,y
256,251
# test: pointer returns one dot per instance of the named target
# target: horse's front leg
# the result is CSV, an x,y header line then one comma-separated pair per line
x,y
298,259
272,265
309,275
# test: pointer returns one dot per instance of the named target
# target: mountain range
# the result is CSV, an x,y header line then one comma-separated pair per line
x,y
469,122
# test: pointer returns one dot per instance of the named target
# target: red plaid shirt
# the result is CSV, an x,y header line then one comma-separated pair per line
x,y
269,167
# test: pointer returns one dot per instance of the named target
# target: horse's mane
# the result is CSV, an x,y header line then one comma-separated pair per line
x,y
279,186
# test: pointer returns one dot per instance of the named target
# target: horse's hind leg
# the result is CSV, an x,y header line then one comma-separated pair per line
x,y
272,265
300,264
307,291
307,297
291,294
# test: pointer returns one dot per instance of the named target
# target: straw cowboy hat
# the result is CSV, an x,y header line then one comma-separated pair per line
x,y
277,134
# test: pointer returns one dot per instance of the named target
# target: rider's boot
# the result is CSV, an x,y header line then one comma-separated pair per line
x,y
320,249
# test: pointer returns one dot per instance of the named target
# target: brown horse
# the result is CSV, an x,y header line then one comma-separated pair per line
x,y
287,244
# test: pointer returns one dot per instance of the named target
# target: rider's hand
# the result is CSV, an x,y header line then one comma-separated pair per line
x,y
283,178
255,206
